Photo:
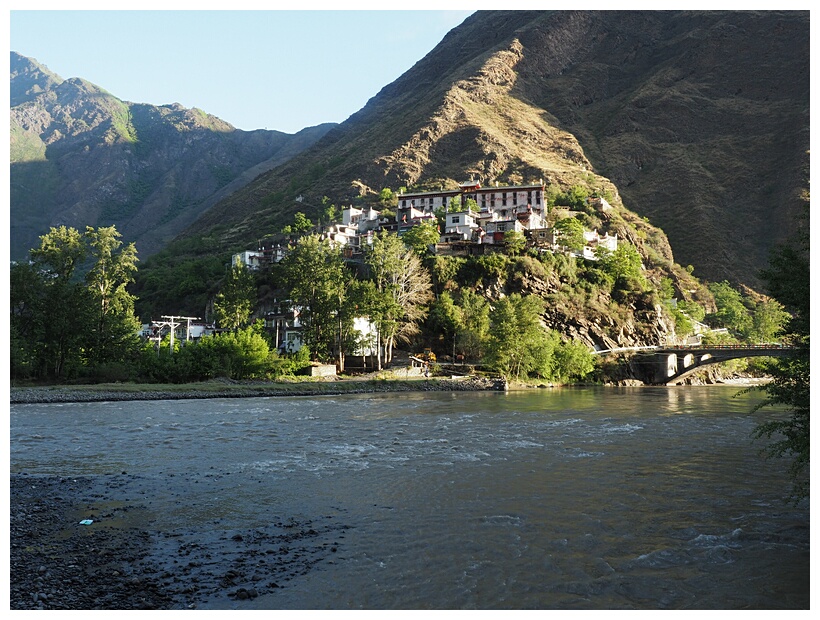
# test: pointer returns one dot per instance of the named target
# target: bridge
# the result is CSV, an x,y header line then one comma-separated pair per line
x,y
665,365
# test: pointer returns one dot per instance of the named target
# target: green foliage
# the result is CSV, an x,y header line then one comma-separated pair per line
x,y
487,267
692,309
315,274
236,300
623,264
570,233
421,237
301,224
445,321
515,242
768,320
445,270
63,320
402,288
572,360
787,279
387,199
731,312
518,344
112,333
474,330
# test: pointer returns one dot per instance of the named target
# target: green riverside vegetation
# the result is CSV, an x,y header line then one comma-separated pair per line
x,y
73,317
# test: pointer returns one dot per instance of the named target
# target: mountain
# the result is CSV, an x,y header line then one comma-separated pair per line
x,y
82,157
697,121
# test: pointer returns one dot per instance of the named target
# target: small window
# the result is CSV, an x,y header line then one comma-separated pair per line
x,y
504,199
538,198
456,219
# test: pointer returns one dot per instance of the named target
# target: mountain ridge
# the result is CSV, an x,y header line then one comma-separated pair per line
x,y
81,156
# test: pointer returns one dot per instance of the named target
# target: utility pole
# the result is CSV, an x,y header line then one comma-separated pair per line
x,y
173,324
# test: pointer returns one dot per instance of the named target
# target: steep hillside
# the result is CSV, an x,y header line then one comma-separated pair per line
x,y
698,121
81,156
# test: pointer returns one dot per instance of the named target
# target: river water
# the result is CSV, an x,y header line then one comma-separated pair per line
x,y
587,498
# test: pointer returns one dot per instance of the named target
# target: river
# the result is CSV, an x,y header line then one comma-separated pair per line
x,y
575,498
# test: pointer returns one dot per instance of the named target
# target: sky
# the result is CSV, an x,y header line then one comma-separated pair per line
x,y
274,69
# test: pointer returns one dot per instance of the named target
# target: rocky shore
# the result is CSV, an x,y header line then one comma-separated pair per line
x,y
92,542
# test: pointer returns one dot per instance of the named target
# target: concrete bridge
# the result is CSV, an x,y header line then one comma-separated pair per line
x,y
670,365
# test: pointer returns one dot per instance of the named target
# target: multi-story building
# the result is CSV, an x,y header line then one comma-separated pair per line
x,y
500,208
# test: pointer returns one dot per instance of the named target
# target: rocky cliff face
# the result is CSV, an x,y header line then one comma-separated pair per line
x,y
80,156
698,121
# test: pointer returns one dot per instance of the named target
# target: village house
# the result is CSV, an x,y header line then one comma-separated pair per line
x,y
500,208
491,213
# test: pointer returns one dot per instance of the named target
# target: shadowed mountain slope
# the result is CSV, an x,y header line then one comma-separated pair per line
x,y
82,157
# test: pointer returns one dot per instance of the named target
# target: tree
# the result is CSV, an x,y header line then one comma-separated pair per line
x,y
400,277
421,237
236,299
570,233
62,320
446,321
787,280
731,311
475,328
768,320
315,274
519,345
301,224
387,199
623,264
515,242
115,329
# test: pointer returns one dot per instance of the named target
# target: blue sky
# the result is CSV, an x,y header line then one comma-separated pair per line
x,y
282,70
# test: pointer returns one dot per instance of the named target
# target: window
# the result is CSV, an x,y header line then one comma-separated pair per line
x,y
456,219
529,198
504,199
403,203
538,198
483,201
502,227
515,198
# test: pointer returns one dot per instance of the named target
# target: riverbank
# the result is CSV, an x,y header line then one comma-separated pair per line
x,y
226,388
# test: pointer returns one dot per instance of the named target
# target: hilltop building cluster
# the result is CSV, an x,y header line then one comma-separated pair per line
x,y
496,211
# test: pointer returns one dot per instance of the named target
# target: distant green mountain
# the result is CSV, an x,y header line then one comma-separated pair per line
x,y
82,157
695,120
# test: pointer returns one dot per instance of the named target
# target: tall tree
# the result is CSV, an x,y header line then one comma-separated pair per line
x,y
314,273
400,276
519,345
55,304
114,332
236,299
